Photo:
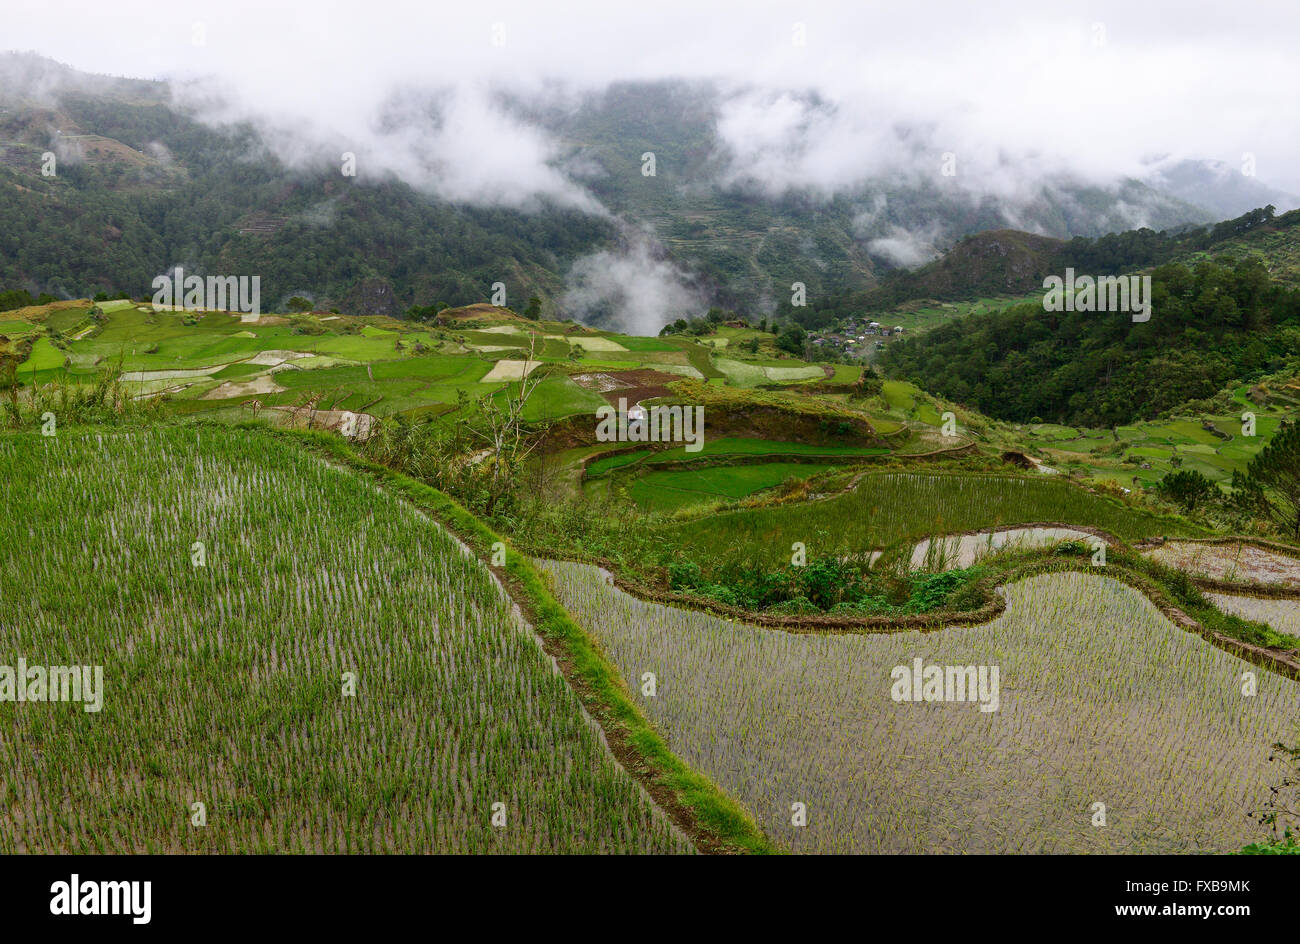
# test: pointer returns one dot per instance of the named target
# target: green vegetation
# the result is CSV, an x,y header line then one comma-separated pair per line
x,y
1209,441
742,555
717,823
662,490
890,507
228,584
1271,484
817,504
620,459
828,584
1210,326
998,264
1187,489
1281,806
748,446
777,715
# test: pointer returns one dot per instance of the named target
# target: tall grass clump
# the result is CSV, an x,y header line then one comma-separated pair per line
x,y
101,400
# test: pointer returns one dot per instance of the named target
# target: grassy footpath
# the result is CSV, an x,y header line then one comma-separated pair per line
x,y
714,821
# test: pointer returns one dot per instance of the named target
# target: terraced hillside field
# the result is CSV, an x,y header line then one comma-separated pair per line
x,y
1235,562
1101,701
1282,615
670,490
887,507
231,586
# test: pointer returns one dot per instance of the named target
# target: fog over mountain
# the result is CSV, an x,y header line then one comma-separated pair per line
x,y
857,138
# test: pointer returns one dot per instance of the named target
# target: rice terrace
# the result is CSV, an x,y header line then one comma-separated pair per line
x,y
334,637
604,468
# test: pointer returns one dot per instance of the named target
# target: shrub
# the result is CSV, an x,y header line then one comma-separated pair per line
x,y
796,606
1186,488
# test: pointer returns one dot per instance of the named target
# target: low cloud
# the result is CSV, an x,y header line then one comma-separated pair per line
x,y
630,289
1090,89
907,249
456,143
777,141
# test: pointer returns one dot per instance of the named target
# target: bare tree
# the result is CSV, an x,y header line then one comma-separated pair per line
x,y
502,428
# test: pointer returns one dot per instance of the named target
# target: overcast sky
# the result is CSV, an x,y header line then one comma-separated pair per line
x,y
1095,86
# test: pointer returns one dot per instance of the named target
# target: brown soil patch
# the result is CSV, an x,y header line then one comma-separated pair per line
x,y
632,385
600,383
244,388
478,312
346,423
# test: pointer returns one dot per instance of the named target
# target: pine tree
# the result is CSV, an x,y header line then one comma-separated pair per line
x,y
1273,476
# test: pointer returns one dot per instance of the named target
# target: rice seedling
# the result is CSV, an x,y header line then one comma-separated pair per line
x,y
233,588
1234,562
963,550
1283,615
1102,701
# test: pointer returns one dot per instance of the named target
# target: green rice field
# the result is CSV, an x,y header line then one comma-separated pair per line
x,y
232,586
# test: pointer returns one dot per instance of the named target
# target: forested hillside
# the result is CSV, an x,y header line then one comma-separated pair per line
x,y
1008,262
1210,325
143,185
111,224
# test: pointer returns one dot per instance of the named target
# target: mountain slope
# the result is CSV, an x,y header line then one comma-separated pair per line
x,y
143,185
1209,326
998,262
1222,190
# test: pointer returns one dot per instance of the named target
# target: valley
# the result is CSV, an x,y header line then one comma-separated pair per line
x,y
825,506
561,430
